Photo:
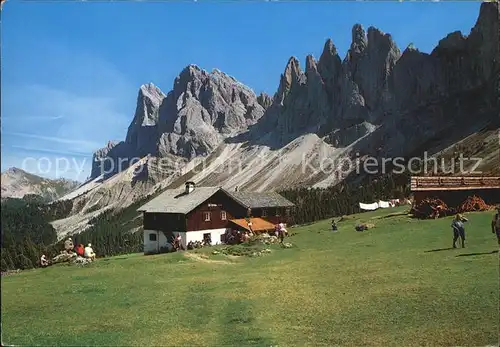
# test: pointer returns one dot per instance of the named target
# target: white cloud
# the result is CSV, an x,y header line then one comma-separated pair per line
x,y
61,152
71,103
83,144
32,118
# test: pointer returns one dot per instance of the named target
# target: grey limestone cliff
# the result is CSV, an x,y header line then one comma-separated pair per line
x,y
393,100
191,120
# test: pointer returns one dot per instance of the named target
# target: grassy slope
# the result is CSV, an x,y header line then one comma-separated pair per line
x,y
379,287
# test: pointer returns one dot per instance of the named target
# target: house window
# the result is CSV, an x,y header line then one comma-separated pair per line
x,y
278,212
223,215
206,216
287,212
152,237
264,212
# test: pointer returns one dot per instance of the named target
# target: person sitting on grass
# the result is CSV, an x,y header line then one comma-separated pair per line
x,y
89,252
43,261
68,245
80,250
459,229
495,224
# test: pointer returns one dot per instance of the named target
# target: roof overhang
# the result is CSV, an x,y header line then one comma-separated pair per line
x,y
436,183
258,224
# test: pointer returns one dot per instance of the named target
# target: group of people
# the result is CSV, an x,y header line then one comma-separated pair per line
x,y
69,248
81,250
237,236
458,227
280,231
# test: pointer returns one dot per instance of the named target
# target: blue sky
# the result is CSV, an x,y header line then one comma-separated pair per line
x,y
71,70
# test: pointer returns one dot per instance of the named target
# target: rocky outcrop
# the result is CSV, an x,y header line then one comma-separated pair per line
x,y
203,109
191,120
143,131
99,163
377,84
264,100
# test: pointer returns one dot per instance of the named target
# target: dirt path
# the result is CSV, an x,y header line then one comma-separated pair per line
x,y
204,258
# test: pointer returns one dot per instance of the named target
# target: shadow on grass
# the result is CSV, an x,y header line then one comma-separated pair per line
x,y
439,249
108,259
471,254
390,215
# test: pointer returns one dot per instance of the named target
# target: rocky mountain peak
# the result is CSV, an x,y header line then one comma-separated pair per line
x,y
359,41
192,119
17,183
142,130
329,50
380,41
149,97
264,100
111,144
291,77
311,66
13,171
293,72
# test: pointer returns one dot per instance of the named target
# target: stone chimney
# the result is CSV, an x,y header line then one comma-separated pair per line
x,y
190,187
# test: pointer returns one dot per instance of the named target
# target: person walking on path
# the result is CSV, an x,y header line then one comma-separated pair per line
x,y
495,224
459,229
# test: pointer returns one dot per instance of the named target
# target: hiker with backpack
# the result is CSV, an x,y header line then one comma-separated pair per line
x,y
495,224
459,229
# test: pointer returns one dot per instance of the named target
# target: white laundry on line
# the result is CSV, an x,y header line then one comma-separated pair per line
x,y
384,204
369,207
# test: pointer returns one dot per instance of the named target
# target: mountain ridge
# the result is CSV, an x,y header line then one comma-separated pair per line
x,y
17,183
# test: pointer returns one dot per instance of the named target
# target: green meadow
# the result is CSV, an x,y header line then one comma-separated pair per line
x,y
396,284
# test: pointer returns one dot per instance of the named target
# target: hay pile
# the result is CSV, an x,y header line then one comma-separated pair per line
x,y
432,208
473,203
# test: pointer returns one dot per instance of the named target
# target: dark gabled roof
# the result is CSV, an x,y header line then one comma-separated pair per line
x,y
259,200
177,201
